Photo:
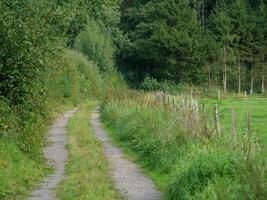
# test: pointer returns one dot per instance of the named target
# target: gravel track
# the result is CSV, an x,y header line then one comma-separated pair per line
x,y
128,178
56,154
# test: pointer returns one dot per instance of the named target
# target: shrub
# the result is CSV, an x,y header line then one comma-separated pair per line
x,y
79,78
152,84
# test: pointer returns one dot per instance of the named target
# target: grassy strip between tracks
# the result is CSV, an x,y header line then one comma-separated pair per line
x,y
87,172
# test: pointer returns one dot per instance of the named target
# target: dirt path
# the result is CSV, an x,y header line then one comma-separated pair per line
x,y
56,155
129,180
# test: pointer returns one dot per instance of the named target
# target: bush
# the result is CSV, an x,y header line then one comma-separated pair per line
x,y
151,84
78,79
27,54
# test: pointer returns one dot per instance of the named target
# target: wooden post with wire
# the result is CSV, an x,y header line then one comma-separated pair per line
x,y
204,117
173,103
217,121
219,95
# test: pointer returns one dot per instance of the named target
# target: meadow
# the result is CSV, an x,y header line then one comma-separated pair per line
x,y
257,107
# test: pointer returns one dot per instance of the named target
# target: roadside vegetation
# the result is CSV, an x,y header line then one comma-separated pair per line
x,y
185,158
42,74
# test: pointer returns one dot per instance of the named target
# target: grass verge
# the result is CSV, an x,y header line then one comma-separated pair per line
x,y
159,179
87,172
193,166
19,171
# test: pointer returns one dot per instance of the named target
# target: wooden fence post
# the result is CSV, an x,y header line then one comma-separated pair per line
x,y
205,117
219,94
217,121
196,106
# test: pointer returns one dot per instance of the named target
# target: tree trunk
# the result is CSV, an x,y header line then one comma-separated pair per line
x,y
200,5
225,70
203,14
252,78
262,84
223,78
209,81
239,77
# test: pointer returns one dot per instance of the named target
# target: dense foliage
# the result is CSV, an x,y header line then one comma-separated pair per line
x,y
220,42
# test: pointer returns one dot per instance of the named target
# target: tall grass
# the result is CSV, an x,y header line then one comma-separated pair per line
x,y
197,165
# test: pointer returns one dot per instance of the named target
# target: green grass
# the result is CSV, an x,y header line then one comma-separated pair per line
x,y
183,165
18,173
257,108
87,171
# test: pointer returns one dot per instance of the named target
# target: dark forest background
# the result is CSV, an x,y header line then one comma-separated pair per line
x,y
208,42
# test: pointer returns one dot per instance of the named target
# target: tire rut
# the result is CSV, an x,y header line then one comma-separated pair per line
x,y
128,178
56,154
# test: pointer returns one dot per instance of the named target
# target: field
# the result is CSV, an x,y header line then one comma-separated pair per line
x,y
257,108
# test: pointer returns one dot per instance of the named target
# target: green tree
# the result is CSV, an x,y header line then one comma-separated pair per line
x,y
165,40
222,27
30,37
97,45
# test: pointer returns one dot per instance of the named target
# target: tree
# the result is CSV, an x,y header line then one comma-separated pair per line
x,y
97,45
261,43
240,19
30,36
164,39
222,28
